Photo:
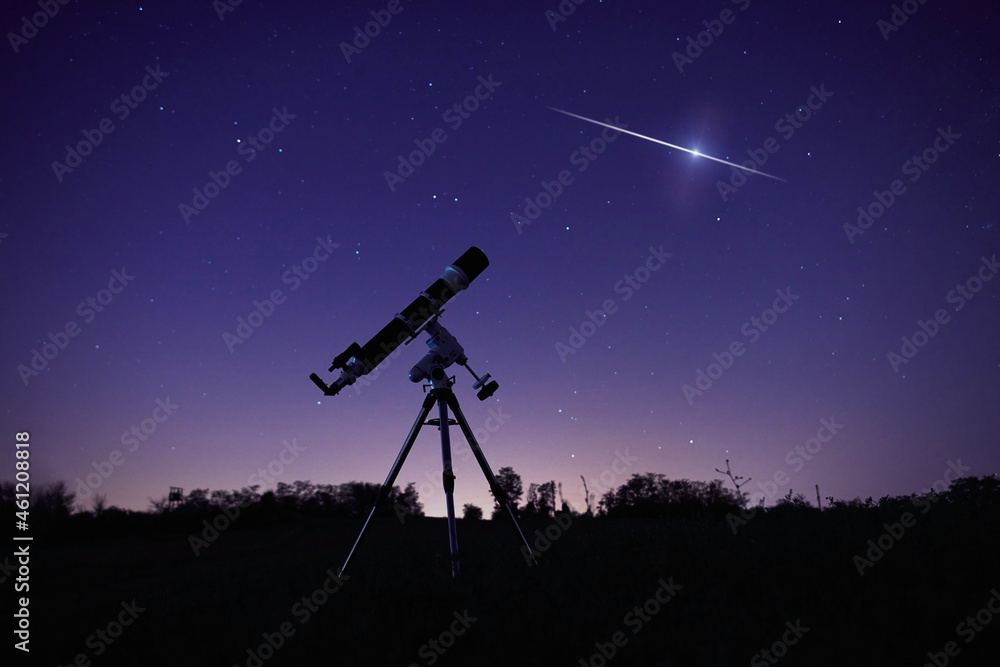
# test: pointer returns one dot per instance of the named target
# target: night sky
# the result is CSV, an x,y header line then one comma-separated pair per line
x,y
169,169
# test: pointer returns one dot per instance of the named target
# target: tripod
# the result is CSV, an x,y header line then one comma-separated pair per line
x,y
445,398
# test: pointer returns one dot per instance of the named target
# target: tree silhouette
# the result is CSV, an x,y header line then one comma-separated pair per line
x,y
799,500
531,504
589,496
197,499
511,484
472,512
159,506
547,499
100,503
52,502
651,495
736,481
408,500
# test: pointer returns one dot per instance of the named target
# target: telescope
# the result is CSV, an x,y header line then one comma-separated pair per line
x,y
357,361
422,316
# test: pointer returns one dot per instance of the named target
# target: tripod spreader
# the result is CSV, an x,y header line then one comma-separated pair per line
x,y
445,398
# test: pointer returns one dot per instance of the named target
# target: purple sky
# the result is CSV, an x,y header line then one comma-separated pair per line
x,y
117,249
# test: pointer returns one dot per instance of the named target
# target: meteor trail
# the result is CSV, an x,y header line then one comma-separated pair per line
x,y
680,148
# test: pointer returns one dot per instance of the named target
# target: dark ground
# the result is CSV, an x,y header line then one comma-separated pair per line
x,y
739,593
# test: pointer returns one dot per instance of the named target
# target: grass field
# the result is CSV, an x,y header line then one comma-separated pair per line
x,y
723,597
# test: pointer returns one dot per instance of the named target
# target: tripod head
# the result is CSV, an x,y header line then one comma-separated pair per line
x,y
445,350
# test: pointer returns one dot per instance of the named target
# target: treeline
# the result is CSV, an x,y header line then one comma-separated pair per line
x,y
54,509
653,496
643,496
351,499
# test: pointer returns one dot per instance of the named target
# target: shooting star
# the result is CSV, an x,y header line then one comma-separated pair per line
x,y
664,143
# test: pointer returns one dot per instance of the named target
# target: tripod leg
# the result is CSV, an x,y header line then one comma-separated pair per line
x,y
498,492
386,488
448,478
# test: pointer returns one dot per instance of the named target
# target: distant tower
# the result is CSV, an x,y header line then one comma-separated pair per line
x,y
176,497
